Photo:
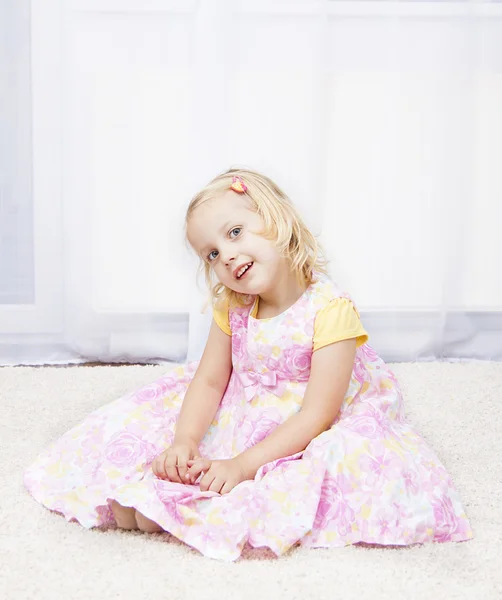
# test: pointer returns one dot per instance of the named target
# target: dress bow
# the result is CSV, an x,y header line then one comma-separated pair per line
x,y
269,380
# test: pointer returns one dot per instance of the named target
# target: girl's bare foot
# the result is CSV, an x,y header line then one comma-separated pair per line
x,y
125,516
146,524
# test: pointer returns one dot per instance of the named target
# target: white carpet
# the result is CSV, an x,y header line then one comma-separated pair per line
x,y
456,407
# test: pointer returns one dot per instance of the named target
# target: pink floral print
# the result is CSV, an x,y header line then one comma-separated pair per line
x,y
370,478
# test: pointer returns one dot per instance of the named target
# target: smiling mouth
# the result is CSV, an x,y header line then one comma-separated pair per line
x,y
243,270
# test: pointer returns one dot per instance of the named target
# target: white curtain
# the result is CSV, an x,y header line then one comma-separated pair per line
x,y
381,120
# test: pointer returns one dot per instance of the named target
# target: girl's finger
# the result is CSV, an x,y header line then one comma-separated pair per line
x,y
182,468
193,460
203,464
158,468
228,487
171,469
216,485
182,472
206,481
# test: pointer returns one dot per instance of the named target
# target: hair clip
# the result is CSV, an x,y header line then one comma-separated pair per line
x,y
238,185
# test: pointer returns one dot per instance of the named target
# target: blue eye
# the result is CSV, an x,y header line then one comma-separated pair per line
x,y
235,229
212,255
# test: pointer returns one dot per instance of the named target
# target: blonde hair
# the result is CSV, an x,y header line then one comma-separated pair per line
x,y
283,224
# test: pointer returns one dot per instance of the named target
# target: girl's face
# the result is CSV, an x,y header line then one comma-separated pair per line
x,y
225,233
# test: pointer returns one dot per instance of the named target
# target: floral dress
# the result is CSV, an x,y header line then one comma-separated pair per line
x,y
369,478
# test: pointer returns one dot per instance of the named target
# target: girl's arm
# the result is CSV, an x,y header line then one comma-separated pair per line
x,y
330,374
206,390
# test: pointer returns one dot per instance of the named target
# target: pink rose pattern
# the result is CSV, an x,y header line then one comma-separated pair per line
x,y
369,479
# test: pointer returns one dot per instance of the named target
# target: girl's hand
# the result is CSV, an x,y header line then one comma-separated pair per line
x,y
217,475
172,463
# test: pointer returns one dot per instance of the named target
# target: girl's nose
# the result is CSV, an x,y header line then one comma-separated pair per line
x,y
227,254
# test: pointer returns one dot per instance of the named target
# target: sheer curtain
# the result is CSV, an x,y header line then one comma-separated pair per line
x,y
382,120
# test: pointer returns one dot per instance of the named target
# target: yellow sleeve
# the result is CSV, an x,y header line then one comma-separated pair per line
x,y
338,321
220,315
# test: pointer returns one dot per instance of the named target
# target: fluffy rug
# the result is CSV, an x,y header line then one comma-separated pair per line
x,y
455,406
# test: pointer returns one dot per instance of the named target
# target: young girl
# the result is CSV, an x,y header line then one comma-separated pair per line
x,y
289,430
